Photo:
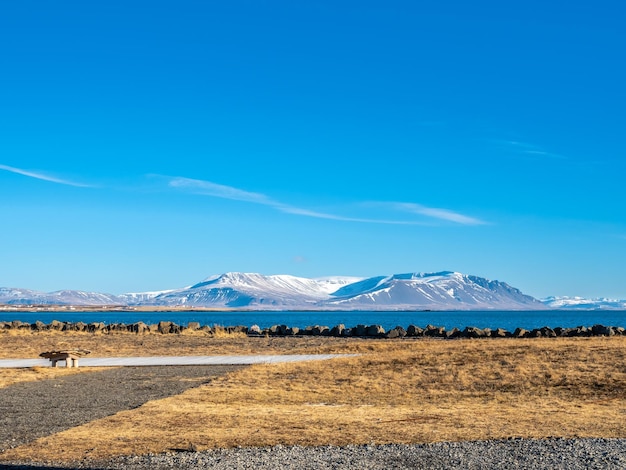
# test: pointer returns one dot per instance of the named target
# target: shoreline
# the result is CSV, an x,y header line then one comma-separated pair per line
x,y
337,331
182,308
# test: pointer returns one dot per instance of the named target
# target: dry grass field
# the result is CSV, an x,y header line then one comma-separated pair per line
x,y
403,391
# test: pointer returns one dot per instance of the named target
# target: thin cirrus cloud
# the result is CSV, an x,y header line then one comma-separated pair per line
x,y
208,188
524,148
436,213
42,176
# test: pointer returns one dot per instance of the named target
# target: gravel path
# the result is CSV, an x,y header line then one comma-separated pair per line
x,y
30,410
570,454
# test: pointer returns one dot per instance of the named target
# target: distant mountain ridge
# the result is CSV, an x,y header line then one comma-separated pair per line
x,y
581,303
13,296
444,290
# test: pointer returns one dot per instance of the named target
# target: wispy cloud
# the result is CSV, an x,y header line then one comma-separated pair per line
x,y
208,188
42,176
437,213
525,148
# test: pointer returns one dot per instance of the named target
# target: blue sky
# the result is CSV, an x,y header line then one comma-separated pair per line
x,y
148,145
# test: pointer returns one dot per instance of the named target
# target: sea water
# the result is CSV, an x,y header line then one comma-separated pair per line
x,y
508,320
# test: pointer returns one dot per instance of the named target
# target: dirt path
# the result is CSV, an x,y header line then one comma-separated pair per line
x,y
31,410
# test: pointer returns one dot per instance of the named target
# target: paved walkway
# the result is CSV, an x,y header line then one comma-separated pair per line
x,y
175,360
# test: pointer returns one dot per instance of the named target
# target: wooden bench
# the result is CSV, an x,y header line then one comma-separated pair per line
x,y
70,356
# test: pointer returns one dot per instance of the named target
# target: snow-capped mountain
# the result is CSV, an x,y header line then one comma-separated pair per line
x,y
444,290
412,291
252,289
581,303
12,296
134,298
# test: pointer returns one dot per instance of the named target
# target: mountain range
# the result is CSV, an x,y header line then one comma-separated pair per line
x,y
445,290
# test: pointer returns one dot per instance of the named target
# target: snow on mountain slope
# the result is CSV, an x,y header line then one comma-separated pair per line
x,y
16,296
331,284
442,290
11,296
275,284
252,289
138,297
582,303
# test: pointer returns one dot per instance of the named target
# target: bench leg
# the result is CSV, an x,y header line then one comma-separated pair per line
x,y
68,362
54,362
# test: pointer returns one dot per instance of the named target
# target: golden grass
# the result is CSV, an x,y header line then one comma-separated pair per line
x,y
28,345
13,376
397,391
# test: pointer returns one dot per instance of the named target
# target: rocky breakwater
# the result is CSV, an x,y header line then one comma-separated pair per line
x,y
358,331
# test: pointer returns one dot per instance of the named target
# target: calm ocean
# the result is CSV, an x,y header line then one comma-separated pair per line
x,y
481,319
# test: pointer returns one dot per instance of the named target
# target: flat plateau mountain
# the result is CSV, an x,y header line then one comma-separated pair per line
x,y
412,291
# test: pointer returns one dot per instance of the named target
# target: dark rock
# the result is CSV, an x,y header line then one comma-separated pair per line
x,y
338,330
601,330
547,332
278,330
413,331
578,331
39,326
375,330
520,333
359,330
473,332
453,333
500,333
397,332
435,331
318,330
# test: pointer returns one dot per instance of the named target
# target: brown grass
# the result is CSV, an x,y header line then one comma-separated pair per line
x,y
397,391
13,376
28,345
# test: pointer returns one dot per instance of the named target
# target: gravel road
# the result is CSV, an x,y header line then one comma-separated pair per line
x,y
570,454
30,410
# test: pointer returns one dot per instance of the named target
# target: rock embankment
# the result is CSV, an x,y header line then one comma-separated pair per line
x,y
358,331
